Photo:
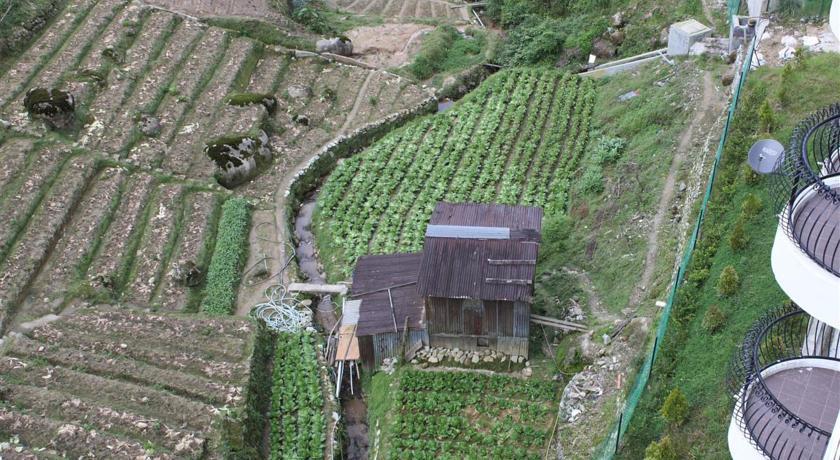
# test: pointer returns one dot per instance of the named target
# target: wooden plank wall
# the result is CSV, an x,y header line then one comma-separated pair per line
x,y
478,318
387,345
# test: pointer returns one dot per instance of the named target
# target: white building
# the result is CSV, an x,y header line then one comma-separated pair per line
x,y
786,377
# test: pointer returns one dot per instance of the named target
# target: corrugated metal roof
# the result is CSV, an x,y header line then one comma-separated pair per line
x,y
488,215
478,269
486,269
372,278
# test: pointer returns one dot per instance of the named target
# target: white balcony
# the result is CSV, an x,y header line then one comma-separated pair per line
x,y
789,413
806,254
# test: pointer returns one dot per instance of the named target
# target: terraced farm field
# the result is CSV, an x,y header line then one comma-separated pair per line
x,y
453,415
118,214
81,225
116,384
182,75
516,139
434,9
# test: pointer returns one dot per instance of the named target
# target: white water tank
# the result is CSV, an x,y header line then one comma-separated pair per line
x,y
684,34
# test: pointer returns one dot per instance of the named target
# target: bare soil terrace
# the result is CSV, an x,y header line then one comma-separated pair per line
x,y
125,391
109,213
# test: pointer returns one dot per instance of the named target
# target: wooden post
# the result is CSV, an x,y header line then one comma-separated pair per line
x,y
404,339
618,431
393,314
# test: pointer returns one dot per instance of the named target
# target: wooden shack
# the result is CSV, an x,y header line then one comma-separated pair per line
x,y
477,276
391,313
471,287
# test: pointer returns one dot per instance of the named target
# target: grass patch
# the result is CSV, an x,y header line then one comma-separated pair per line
x,y
545,33
601,236
446,50
264,32
691,358
196,293
231,251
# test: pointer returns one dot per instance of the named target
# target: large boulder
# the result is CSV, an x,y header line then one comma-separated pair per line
x,y
337,45
603,48
56,107
238,158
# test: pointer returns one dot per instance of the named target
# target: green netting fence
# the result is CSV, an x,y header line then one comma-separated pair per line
x,y
611,444
786,8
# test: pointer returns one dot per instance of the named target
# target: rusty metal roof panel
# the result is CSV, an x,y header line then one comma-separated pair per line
x,y
372,278
478,269
488,215
482,268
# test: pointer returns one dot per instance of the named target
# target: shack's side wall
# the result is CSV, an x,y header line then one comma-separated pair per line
x,y
475,325
366,352
375,348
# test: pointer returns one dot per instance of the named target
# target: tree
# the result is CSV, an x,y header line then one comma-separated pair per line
x,y
729,281
675,408
766,117
785,84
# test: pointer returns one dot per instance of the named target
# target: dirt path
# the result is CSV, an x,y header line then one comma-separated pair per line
x,y
708,7
704,113
269,230
596,307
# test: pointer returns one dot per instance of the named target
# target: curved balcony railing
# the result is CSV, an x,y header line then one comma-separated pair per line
x,y
808,185
778,378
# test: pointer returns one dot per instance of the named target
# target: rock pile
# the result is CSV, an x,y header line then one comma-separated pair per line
x,y
469,358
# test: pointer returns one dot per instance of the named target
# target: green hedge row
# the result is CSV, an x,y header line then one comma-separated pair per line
x,y
231,252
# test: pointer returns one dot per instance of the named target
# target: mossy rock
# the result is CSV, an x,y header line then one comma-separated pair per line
x,y
244,99
238,158
96,76
54,106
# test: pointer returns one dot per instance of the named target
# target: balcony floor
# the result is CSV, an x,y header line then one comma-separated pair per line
x,y
813,394
817,228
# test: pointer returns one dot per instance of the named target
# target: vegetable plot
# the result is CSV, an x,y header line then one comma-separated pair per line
x,y
298,425
225,270
466,415
517,139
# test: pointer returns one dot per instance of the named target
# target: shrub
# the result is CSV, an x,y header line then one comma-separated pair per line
x,y
751,206
314,19
225,272
714,319
446,49
675,408
738,239
433,52
608,150
766,117
698,276
592,180
750,177
783,94
729,281
536,40
662,450
555,236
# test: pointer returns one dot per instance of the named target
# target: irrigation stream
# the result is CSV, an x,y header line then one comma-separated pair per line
x,y
354,408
